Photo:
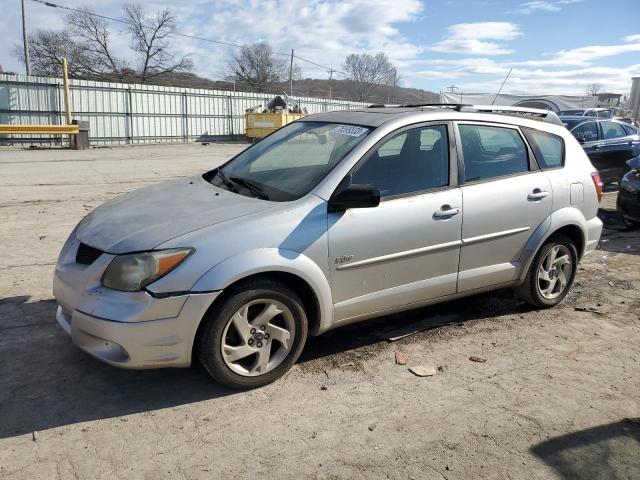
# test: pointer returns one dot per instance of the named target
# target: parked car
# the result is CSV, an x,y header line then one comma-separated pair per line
x,y
629,196
588,112
608,143
335,218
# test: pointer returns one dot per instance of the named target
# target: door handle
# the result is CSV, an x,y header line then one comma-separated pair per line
x,y
537,194
446,211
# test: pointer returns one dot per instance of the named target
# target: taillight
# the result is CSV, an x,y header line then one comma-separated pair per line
x,y
595,176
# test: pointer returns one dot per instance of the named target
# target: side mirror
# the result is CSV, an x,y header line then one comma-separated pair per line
x,y
354,196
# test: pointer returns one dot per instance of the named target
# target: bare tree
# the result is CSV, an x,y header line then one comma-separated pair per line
x,y
46,50
257,66
366,72
593,89
150,40
91,34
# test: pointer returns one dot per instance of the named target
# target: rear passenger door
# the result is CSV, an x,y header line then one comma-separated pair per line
x,y
505,198
588,134
617,147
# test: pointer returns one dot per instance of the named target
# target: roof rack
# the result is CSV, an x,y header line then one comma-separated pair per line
x,y
535,113
454,106
532,113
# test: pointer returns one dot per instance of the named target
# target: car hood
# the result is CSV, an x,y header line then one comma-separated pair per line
x,y
142,219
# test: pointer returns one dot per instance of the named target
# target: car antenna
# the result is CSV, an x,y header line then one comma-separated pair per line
x,y
503,82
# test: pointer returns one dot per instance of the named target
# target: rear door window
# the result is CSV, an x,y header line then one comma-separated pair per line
x,y
586,132
548,148
611,130
491,152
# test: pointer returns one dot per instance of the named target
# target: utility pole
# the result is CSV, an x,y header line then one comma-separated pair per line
x,y
393,91
291,75
25,39
330,86
393,88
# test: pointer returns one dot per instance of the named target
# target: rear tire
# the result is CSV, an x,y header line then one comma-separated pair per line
x,y
254,336
551,273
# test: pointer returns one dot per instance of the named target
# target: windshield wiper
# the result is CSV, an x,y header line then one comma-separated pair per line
x,y
228,183
251,186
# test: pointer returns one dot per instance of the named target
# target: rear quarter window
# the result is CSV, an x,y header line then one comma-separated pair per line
x,y
547,148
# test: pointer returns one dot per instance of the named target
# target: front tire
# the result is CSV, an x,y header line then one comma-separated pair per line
x,y
551,273
254,336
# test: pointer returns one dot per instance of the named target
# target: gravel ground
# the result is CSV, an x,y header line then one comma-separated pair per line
x,y
558,397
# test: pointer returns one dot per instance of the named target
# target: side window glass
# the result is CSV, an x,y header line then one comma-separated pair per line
x,y
492,152
630,130
586,132
612,130
548,149
411,161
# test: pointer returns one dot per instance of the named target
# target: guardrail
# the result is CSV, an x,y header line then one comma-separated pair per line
x,y
40,129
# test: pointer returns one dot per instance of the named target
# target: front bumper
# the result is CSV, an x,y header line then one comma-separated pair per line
x,y
124,329
166,342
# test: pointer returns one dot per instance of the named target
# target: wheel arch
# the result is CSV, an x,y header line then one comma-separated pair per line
x,y
292,269
569,222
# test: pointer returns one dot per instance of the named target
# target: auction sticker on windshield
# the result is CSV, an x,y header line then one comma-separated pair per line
x,y
350,130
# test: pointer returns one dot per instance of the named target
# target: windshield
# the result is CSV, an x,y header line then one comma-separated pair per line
x,y
290,162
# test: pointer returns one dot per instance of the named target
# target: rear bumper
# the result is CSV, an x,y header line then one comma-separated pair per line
x,y
593,231
165,342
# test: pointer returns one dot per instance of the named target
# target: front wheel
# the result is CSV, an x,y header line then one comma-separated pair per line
x,y
551,273
254,336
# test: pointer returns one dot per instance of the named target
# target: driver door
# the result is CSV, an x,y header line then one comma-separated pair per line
x,y
405,250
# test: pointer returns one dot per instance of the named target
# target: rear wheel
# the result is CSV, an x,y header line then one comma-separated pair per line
x,y
254,336
551,273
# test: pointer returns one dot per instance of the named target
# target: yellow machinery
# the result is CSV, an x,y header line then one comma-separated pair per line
x,y
259,125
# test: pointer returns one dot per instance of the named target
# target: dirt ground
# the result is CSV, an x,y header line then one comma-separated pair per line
x,y
558,398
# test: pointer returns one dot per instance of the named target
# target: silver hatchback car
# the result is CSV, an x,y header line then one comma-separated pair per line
x,y
332,219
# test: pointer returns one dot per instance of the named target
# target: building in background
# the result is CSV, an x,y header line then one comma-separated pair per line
x,y
609,100
634,99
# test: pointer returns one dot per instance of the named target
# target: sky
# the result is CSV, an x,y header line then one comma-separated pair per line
x,y
553,46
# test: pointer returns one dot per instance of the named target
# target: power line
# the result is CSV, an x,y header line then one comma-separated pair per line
x,y
178,34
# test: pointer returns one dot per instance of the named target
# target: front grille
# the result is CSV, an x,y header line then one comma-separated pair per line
x,y
87,255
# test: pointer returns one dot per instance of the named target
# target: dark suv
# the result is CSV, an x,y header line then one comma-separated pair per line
x,y
608,143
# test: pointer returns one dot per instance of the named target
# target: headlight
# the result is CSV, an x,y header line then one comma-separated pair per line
x,y
133,272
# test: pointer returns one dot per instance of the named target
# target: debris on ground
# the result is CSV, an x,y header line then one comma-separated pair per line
x,y
34,436
323,387
478,359
588,309
426,324
401,358
423,370
372,427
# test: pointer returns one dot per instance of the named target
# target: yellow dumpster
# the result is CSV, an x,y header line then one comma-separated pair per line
x,y
259,125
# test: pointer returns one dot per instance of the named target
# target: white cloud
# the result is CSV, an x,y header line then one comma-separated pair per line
x,y
480,38
587,55
320,30
543,6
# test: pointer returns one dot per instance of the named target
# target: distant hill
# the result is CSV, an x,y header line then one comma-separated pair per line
x,y
308,87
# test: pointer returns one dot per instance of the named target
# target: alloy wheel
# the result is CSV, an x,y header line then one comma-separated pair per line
x,y
258,337
554,272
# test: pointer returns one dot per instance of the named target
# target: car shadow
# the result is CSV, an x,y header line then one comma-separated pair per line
x,y
618,235
46,382
610,452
